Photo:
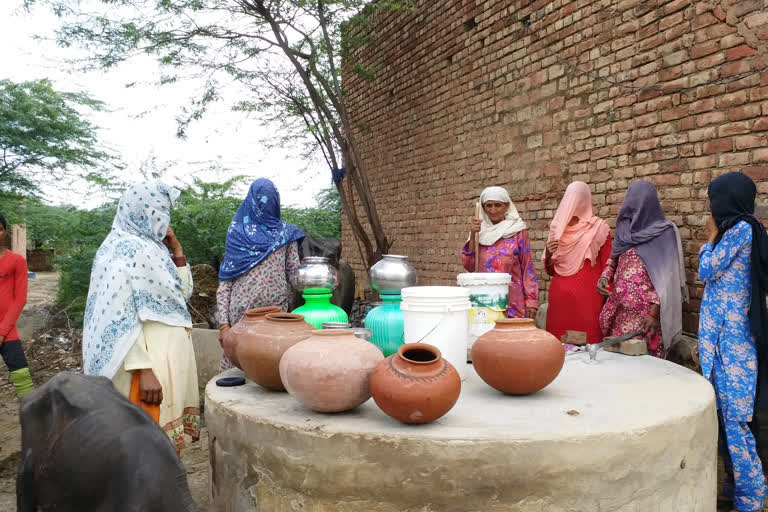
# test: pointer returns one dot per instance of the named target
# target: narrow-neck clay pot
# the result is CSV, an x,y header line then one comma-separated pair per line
x,y
263,344
415,385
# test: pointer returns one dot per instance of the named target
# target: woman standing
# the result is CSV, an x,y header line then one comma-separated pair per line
x,y
136,324
261,254
733,326
504,247
646,269
13,296
578,248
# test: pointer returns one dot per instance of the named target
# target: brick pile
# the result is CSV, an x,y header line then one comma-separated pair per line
x,y
532,95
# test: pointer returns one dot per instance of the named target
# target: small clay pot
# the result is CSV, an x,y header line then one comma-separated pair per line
x,y
252,316
261,345
415,385
329,372
517,358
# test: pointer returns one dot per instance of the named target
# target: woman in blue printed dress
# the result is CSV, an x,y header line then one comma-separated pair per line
x,y
732,331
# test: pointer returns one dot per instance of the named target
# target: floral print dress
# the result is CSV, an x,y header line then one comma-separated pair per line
x,y
266,284
729,358
511,256
631,299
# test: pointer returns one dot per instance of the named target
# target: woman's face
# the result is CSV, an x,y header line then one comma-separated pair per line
x,y
496,210
3,232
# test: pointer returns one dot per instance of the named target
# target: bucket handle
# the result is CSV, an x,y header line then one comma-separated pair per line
x,y
402,338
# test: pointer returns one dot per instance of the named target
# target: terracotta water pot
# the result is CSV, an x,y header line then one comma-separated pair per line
x,y
329,372
252,316
262,345
517,358
415,385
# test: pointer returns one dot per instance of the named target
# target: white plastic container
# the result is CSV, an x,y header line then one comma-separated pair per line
x,y
489,295
438,315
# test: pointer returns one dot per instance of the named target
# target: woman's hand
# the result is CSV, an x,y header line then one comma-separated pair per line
x,y
531,313
172,243
651,325
603,287
552,246
151,390
712,230
474,228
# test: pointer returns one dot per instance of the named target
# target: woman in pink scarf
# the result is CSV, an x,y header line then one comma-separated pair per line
x,y
578,247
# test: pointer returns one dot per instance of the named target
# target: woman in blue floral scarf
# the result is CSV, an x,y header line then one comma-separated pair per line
x,y
261,254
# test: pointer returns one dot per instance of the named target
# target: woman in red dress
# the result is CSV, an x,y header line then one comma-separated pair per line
x,y
578,247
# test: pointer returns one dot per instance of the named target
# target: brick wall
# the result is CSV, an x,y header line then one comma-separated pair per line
x,y
533,95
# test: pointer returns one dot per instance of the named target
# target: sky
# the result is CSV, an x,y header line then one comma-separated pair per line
x,y
140,121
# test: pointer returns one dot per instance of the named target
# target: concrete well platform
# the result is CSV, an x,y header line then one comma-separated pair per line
x,y
630,434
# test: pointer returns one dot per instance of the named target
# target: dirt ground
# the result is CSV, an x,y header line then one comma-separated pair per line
x,y
52,349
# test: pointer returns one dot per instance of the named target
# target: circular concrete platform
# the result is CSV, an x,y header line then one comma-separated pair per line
x,y
627,434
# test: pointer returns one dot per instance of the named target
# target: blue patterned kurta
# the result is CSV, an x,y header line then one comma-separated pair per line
x,y
729,358
725,336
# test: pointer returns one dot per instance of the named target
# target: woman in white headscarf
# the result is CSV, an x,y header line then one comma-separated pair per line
x,y
504,247
136,325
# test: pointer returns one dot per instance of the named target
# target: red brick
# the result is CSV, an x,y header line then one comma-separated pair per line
x,y
733,99
735,68
718,146
739,52
647,144
744,112
704,20
727,130
760,125
757,19
665,180
702,134
750,141
756,173
710,118
719,13
733,159
704,49
647,120
688,123
760,155
711,61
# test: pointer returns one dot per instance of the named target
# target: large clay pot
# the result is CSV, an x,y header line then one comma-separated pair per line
x,y
262,345
517,358
415,385
329,372
252,316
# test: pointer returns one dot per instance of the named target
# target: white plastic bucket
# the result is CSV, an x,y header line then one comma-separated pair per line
x,y
438,315
489,295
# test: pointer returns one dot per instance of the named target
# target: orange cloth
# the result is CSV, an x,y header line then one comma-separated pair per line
x,y
135,397
581,241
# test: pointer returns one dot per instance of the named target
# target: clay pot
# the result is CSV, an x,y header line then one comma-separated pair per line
x,y
261,345
415,385
329,372
252,316
517,358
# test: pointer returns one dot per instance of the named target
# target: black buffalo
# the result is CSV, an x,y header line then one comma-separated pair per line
x,y
87,448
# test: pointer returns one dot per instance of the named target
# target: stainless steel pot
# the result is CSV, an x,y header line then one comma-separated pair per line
x,y
315,272
392,274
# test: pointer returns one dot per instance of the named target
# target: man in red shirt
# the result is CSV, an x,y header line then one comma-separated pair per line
x,y
13,296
